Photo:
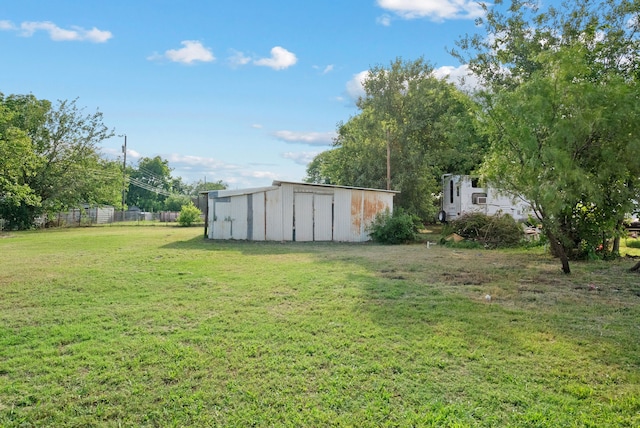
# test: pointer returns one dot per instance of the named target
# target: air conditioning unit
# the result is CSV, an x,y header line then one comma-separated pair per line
x,y
481,200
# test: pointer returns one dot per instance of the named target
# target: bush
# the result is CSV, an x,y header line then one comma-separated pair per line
x,y
396,228
176,202
497,231
189,214
633,243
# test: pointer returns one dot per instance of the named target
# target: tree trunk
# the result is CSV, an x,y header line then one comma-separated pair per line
x,y
558,249
636,268
616,246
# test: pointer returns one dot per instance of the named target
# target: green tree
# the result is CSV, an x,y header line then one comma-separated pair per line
x,y
17,163
204,186
149,184
561,112
412,127
175,202
62,164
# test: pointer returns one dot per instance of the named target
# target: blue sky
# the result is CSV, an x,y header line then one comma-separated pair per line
x,y
245,92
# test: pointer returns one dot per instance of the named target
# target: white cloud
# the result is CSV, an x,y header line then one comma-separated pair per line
x,y
436,10
7,25
355,86
238,59
384,20
301,158
309,138
133,154
58,34
260,174
115,153
192,51
257,126
279,60
326,70
189,162
460,76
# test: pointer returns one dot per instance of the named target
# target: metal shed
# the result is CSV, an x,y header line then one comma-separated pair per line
x,y
290,211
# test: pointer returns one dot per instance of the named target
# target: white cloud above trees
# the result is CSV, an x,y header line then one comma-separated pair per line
x,y
436,10
308,138
355,86
301,158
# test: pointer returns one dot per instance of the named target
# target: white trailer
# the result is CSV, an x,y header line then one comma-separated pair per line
x,y
462,194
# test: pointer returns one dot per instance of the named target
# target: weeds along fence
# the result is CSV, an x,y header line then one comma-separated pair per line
x,y
99,215
104,215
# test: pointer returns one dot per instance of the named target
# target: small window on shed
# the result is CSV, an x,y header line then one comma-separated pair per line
x,y
475,182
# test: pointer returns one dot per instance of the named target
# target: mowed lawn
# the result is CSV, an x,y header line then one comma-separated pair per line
x,y
155,326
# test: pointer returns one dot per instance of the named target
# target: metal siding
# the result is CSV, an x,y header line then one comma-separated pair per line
x,y
287,212
357,198
210,219
342,215
323,218
221,220
322,213
373,204
258,217
239,217
303,216
273,215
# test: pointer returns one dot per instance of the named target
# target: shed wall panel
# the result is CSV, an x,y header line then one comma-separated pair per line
x,y
238,216
357,226
287,212
210,219
323,217
259,223
342,215
273,214
221,224
303,217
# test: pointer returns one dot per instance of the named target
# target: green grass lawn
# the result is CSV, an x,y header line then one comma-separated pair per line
x,y
155,326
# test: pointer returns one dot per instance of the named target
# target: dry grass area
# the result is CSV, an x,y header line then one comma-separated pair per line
x,y
518,278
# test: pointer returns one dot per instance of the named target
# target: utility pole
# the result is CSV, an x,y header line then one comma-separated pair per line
x,y
124,173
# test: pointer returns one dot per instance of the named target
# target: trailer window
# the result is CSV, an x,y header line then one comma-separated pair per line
x,y
479,198
451,191
475,182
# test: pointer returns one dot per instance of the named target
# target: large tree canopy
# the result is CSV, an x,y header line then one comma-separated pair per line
x,y
150,183
561,109
50,159
411,128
